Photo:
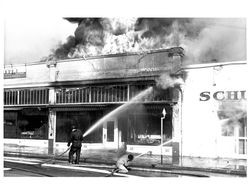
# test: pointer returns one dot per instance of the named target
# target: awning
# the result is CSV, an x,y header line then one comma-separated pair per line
x,y
12,108
80,108
34,110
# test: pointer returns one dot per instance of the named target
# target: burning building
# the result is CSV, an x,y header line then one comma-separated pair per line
x,y
205,105
116,96
46,109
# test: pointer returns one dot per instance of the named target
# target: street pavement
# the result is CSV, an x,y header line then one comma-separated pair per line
x,y
35,167
15,167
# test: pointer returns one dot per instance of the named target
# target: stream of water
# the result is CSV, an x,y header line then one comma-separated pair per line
x,y
120,109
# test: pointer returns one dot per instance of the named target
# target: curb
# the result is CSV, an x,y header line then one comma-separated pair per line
x,y
86,169
159,168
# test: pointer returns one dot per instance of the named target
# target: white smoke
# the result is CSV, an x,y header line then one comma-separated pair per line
x,y
219,40
165,81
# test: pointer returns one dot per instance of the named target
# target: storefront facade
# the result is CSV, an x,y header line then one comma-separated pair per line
x,y
205,115
41,107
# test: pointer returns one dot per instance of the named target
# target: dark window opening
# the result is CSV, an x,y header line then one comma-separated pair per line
x,y
26,124
83,120
143,126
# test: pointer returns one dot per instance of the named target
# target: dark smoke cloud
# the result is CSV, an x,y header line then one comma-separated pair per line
x,y
90,31
204,40
65,48
62,50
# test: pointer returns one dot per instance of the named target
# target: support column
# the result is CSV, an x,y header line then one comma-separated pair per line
x,y
53,72
52,128
52,122
104,131
116,134
177,134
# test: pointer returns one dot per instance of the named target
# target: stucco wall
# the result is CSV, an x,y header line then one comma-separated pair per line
x,y
94,68
201,126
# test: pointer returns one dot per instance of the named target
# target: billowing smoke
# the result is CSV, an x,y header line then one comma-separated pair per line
x,y
232,110
219,40
204,40
165,81
232,116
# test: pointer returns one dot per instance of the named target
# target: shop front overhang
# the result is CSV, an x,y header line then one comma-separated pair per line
x,y
61,108
152,106
20,107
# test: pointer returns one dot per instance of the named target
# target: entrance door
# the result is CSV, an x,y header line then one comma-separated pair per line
x,y
233,142
110,134
110,131
241,137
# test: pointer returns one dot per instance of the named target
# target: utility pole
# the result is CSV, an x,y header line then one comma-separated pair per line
x,y
162,118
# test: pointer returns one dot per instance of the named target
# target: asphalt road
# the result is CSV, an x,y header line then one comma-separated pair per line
x,y
34,167
13,169
26,170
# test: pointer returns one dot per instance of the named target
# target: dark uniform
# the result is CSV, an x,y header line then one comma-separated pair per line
x,y
76,138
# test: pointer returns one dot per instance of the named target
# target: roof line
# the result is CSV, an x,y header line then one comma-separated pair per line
x,y
209,65
169,50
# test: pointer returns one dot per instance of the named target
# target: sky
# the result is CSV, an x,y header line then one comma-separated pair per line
x,y
31,30
30,39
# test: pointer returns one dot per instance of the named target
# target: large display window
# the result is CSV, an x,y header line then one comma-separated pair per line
x,y
83,120
143,126
233,119
27,123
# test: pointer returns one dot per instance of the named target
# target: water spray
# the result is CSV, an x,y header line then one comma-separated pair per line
x,y
119,109
156,146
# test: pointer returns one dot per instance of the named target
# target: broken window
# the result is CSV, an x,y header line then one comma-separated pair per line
x,y
28,123
83,120
144,126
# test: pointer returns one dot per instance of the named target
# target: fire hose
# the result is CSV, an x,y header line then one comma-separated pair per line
x,y
55,156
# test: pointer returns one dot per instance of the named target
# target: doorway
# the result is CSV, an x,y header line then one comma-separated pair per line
x,y
110,133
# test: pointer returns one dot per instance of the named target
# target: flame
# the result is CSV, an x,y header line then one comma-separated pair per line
x,y
204,40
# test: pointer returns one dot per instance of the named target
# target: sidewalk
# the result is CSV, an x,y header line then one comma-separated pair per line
x,y
106,169
146,163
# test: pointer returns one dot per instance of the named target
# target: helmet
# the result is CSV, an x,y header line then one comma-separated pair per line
x,y
130,157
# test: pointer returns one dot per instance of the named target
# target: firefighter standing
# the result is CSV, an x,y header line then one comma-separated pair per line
x,y
76,138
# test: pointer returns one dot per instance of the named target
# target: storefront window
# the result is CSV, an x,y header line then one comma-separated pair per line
x,y
227,128
145,128
10,124
233,120
242,146
26,124
83,120
243,135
